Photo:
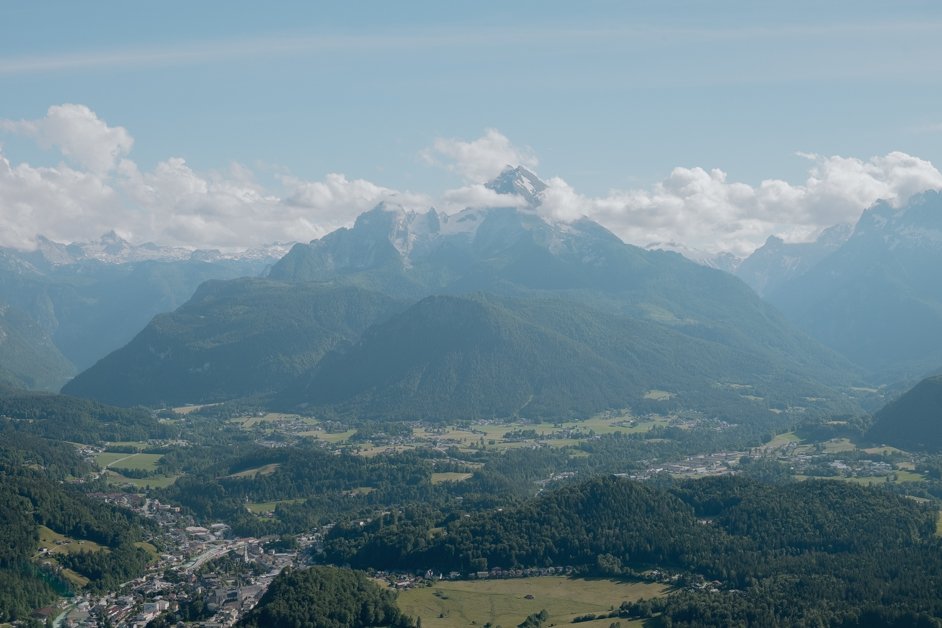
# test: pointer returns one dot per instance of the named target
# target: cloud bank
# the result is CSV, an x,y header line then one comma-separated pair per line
x,y
98,187
701,209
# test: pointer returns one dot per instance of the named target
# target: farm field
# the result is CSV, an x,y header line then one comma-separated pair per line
x,y
505,602
154,481
267,507
115,460
56,543
449,476
267,469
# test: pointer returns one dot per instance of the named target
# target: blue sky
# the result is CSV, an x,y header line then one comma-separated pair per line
x,y
606,96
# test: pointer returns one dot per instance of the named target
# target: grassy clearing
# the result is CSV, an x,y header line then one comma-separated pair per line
x,y
329,437
838,445
113,460
75,578
368,451
782,440
884,450
136,444
361,490
193,408
275,419
504,602
267,469
56,543
553,434
904,475
149,548
155,481
260,508
869,480
658,395
938,525
450,476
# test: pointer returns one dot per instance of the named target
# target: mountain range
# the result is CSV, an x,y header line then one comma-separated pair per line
x,y
87,299
776,262
500,311
876,298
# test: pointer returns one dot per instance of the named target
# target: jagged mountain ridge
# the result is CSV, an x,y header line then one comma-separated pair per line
x,y
877,299
777,261
89,306
517,252
509,253
111,248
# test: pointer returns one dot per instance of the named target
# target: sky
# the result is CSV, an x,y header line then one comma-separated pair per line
x,y
228,125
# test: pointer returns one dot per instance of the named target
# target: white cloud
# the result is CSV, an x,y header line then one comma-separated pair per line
x,y
703,210
479,160
61,202
79,135
336,201
173,204
478,196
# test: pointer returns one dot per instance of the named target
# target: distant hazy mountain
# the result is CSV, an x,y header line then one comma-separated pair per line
x,y
914,421
721,261
877,299
516,252
483,356
114,249
232,339
28,357
664,313
91,298
777,262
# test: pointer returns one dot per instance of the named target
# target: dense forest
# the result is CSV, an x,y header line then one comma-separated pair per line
x,y
325,597
797,553
67,418
31,495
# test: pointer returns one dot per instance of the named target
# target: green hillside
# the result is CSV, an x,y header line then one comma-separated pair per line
x,y
914,421
28,358
72,419
33,501
232,339
738,552
484,356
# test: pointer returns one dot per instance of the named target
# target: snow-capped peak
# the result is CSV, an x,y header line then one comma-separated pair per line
x,y
722,260
111,248
518,181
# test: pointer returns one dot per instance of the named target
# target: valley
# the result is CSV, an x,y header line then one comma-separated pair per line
x,y
489,417
221,564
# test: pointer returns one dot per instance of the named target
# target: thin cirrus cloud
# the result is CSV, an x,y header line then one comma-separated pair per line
x,y
641,35
98,187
